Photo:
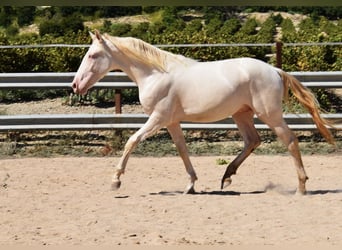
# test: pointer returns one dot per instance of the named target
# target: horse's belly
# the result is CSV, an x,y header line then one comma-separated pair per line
x,y
207,108
208,115
212,91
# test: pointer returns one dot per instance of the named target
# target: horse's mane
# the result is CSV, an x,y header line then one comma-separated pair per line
x,y
147,53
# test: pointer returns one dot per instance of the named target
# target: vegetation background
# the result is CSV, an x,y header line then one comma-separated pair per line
x,y
29,25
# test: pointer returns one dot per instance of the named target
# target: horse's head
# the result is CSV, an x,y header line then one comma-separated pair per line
x,y
95,64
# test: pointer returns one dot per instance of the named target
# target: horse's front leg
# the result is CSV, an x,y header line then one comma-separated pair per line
x,y
176,133
153,124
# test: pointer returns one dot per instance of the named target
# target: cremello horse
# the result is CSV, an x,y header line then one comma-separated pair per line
x,y
173,88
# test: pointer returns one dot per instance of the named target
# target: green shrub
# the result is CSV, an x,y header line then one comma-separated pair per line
x,y
61,26
213,26
123,29
230,27
141,31
249,27
267,31
25,15
194,26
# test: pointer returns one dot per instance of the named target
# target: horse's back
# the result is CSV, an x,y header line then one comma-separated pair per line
x,y
232,75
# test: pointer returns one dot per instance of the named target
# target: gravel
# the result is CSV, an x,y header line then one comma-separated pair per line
x,y
59,106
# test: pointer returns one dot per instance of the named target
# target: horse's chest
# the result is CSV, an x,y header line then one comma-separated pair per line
x,y
147,106
152,96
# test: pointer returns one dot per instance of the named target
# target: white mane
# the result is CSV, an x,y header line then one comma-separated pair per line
x,y
149,54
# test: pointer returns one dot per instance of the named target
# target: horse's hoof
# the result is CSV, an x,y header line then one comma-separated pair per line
x,y
226,182
116,185
300,192
189,189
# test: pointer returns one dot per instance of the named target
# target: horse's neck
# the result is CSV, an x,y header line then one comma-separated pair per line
x,y
140,72
137,71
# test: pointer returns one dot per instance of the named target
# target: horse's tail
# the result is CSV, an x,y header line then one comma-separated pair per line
x,y
308,100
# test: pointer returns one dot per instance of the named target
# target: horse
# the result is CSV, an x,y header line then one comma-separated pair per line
x,y
174,88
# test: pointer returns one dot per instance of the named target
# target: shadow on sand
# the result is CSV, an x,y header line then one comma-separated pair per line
x,y
222,193
320,192
235,193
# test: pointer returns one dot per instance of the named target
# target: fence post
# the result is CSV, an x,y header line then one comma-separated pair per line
x,y
117,98
279,46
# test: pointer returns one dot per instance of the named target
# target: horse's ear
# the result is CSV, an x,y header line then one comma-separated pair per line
x,y
98,35
92,35
95,36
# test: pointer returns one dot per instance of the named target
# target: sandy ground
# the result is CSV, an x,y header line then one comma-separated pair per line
x,y
68,201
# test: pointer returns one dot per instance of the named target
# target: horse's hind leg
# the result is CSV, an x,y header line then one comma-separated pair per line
x,y
245,123
279,126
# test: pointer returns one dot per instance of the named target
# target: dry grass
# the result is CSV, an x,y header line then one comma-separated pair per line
x,y
111,143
